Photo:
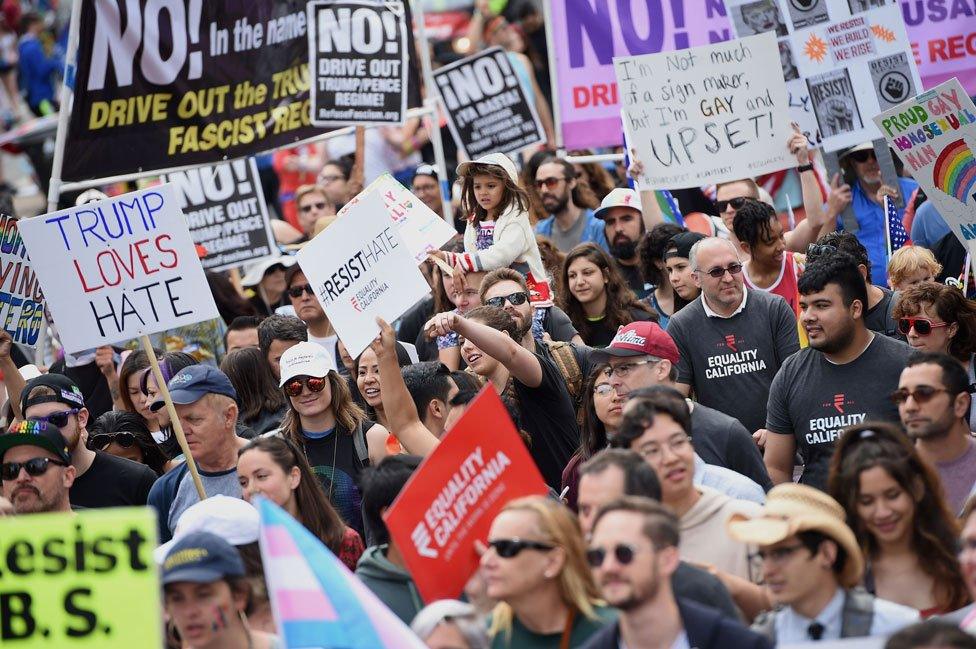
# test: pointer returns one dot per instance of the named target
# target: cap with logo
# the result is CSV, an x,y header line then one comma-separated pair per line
x,y
619,197
305,359
191,383
232,519
680,245
201,558
36,433
643,338
65,391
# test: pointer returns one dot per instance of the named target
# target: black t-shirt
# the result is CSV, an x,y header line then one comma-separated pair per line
x,y
634,280
691,582
722,440
336,464
601,333
880,317
112,481
550,420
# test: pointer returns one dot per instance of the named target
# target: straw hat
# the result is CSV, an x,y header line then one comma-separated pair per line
x,y
793,508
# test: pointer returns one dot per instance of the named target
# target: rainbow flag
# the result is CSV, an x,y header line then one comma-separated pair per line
x,y
317,602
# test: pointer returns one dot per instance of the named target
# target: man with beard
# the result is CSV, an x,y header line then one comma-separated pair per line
x,y
633,553
933,403
623,224
843,378
36,471
569,223
100,479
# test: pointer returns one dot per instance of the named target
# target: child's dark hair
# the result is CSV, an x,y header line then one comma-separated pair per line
x,y
513,192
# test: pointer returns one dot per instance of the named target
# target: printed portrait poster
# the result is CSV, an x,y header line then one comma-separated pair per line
x,y
707,114
451,500
81,579
118,268
360,269
225,209
934,134
21,298
758,16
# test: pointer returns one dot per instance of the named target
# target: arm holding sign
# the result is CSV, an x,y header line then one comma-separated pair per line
x,y
415,438
808,230
12,378
650,209
105,360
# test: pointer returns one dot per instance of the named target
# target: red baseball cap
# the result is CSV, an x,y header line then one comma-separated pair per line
x,y
642,338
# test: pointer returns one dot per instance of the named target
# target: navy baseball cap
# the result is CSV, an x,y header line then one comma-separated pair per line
x,y
191,383
65,391
201,558
36,433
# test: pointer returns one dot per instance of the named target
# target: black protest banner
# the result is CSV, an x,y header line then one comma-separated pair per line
x,y
162,84
357,52
487,108
226,212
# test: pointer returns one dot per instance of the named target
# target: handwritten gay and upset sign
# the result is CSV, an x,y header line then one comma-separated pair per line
x,y
118,268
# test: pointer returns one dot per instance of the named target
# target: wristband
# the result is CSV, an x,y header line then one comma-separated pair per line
x,y
806,167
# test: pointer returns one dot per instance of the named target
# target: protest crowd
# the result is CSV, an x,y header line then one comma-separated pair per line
x,y
587,396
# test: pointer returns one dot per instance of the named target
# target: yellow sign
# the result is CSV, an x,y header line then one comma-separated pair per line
x,y
85,580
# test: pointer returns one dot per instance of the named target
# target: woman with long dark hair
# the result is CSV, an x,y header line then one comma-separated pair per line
x,y
597,298
276,469
125,434
651,251
261,405
896,508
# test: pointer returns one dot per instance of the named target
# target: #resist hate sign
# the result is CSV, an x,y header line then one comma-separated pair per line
x,y
358,62
118,268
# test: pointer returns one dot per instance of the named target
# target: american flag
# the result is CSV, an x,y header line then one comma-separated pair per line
x,y
897,235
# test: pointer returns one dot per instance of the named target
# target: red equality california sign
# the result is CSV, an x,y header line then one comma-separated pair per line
x,y
479,466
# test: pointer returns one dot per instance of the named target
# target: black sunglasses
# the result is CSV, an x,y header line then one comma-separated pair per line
x,y
296,291
732,269
516,299
34,467
862,156
736,203
101,441
308,208
59,419
623,553
508,548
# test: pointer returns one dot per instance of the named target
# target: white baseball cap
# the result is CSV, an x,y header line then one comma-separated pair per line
x,y
497,159
255,272
619,197
305,359
232,519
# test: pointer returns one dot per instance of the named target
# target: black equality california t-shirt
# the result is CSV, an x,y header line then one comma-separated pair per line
x,y
814,399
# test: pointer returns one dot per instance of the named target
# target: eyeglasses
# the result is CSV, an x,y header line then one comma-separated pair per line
x,y
776,555
34,467
921,394
59,419
603,389
101,441
296,291
624,369
675,445
731,269
736,203
305,209
314,384
923,326
515,299
623,553
548,183
508,548
862,156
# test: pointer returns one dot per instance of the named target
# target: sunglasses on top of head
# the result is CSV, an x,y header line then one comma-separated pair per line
x,y
293,387
101,441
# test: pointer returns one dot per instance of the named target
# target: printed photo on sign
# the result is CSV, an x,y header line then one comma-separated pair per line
x,y
858,6
487,105
225,209
21,298
805,13
790,72
892,76
834,103
358,62
118,268
757,17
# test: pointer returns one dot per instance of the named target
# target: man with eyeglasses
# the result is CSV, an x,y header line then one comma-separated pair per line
x,y
308,308
811,564
100,479
843,378
732,340
633,553
35,468
568,224
933,398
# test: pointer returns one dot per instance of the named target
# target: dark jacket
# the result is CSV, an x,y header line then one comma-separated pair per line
x,y
706,629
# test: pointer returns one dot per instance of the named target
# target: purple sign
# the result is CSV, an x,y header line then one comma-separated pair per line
x,y
943,36
587,34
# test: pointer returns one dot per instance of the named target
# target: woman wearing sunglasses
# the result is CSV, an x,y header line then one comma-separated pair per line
x,y
333,432
535,566
125,434
598,299
895,506
938,318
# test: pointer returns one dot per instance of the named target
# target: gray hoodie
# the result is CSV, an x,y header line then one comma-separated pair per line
x,y
390,583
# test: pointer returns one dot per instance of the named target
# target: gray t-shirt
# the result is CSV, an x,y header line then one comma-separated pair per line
x,y
558,325
566,240
173,493
814,399
730,362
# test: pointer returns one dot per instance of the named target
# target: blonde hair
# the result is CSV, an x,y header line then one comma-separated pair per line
x,y
305,190
576,585
909,260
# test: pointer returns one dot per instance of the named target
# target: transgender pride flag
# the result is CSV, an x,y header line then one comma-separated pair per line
x,y
317,602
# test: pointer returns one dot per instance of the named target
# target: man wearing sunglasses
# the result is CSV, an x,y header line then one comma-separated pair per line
x,y
933,399
732,340
101,479
309,310
35,468
313,204
633,553
568,223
